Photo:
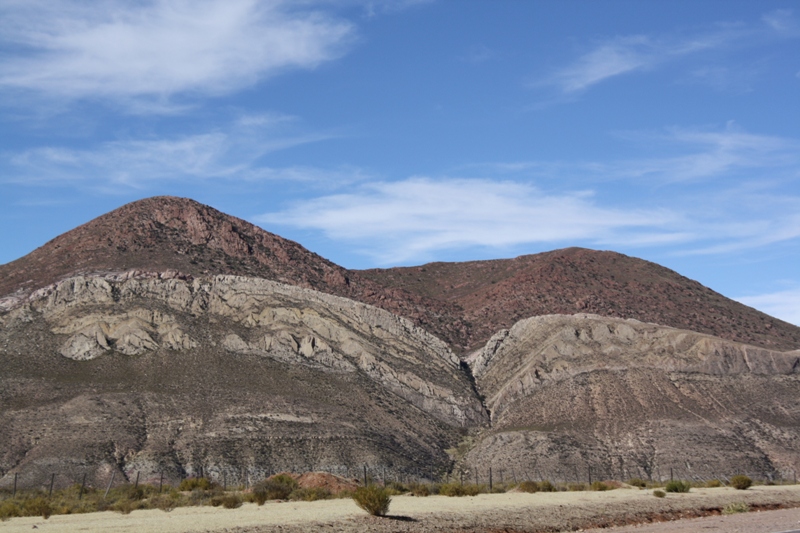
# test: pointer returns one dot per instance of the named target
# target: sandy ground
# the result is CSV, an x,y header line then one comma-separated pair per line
x,y
511,512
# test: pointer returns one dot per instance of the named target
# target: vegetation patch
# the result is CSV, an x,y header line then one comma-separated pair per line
x,y
736,507
373,499
741,482
677,485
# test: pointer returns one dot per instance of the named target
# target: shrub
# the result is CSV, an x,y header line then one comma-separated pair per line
x,y
310,494
637,482
123,506
373,499
276,488
8,510
600,486
456,489
37,507
165,502
546,486
713,483
736,507
231,501
677,485
193,483
741,482
418,489
659,493
576,487
528,486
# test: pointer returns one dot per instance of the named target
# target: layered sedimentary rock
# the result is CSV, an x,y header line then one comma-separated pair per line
x,y
161,372
572,393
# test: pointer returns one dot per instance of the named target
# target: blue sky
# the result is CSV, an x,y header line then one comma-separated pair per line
x,y
380,133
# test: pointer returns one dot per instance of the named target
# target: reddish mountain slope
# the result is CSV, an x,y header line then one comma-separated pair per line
x,y
169,233
462,303
495,294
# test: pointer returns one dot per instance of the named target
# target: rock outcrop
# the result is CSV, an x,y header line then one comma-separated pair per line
x,y
207,367
570,393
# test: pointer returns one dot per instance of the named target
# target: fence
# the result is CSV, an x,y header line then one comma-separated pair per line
x,y
489,475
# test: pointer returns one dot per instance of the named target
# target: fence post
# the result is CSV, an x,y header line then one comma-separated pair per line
x,y
590,474
83,485
670,474
476,476
113,473
161,482
490,479
15,486
136,485
52,480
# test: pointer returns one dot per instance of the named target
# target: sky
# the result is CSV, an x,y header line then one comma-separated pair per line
x,y
385,133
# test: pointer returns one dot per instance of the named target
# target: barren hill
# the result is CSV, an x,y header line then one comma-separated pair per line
x,y
571,394
490,295
149,373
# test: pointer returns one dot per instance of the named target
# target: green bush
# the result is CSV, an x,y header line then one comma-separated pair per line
x,y
600,486
637,482
713,483
677,485
528,486
373,499
659,493
741,482
736,507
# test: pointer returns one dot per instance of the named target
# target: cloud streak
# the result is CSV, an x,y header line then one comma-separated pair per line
x,y
626,54
132,51
781,304
231,152
412,218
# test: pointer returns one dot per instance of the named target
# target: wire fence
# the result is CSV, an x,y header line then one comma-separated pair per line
x,y
245,477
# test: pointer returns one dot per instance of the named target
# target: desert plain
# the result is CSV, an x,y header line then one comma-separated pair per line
x,y
772,509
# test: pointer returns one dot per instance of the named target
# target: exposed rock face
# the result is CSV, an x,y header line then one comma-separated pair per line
x,y
147,371
630,399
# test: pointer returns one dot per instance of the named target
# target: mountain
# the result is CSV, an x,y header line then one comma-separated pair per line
x,y
491,295
167,337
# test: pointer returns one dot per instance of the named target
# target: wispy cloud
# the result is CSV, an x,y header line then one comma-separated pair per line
x,y
781,304
725,191
230,152
145,53
620,55
410,219
708,154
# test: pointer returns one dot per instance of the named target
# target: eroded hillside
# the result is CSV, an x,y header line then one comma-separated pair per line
x,y
161,372
630,399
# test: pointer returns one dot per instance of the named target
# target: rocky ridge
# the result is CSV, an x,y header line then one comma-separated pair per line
x,y
632,399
